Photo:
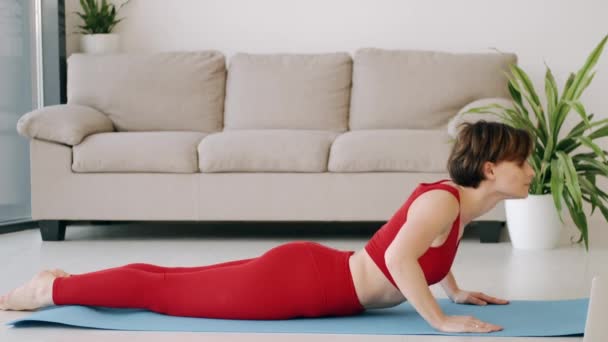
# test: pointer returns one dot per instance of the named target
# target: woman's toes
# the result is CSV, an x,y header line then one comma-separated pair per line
x,y
4,301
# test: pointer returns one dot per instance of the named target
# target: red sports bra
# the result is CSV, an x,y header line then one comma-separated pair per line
x,y
436,261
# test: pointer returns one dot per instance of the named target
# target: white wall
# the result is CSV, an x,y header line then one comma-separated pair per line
x,y
559,32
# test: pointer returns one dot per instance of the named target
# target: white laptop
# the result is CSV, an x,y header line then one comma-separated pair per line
x,y
596,327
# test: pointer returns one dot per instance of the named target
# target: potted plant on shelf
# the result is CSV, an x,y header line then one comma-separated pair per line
x,y
565,176
99,19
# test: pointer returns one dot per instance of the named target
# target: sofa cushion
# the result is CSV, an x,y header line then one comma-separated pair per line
x,y
409,150
171,91
395,89
65,124
171,152
286,91
266,151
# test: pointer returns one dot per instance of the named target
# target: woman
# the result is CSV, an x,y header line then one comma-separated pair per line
x,y
414,249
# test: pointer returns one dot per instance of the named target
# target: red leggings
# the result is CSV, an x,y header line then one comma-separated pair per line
x,y
296,279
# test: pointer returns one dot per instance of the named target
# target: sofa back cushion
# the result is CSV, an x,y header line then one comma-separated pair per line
x,y
401,89
152,92
288,91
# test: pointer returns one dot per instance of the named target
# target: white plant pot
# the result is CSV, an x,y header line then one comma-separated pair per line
x,y
533,222
100,43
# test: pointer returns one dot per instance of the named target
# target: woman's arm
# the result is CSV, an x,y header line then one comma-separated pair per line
x,y
429,216
449,285
410,279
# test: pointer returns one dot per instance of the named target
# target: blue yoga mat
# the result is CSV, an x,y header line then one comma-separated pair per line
x,y
518,318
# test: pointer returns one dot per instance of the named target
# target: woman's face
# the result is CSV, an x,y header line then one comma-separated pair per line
x,y
512,178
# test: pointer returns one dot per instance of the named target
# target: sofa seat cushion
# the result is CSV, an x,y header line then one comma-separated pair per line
x,y
266,151
169,152
390,150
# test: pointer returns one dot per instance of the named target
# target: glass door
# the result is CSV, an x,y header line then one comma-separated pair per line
x,y
17,96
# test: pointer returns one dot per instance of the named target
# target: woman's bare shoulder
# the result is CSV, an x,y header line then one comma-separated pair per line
x,y
434,203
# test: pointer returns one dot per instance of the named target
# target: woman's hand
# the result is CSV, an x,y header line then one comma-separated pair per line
x,y
470,324
476,298
465,324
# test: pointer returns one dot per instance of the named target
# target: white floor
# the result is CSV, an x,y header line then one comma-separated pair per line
x,y
496,269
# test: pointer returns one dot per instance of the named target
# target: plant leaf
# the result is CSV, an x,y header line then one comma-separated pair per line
x,y
567,86
523,77
85,7
571,177
589,143
515,93
123,4
579,219
516,96
602,167
529,94
584,71
93,7
588,189
551,91
557,186
580,109
595,200
99,16
600,132
603,209
584,85
579,129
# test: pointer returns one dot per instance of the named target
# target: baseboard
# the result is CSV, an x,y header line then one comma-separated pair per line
x,y
17,225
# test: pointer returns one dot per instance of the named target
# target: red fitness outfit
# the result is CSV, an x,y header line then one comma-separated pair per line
x,y
296,279
436,261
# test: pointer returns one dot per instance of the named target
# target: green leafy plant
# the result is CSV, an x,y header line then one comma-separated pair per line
x,y
569,175
98,17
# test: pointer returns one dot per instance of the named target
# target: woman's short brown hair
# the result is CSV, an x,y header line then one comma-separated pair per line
x,y
482,142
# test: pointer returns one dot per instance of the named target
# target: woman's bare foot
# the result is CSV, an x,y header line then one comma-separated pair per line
x,y
36,293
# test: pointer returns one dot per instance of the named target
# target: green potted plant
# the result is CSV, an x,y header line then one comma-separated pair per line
x,y
99,19
565,176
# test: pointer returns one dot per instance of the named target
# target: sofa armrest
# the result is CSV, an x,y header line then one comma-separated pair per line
x,y
67,124
462,116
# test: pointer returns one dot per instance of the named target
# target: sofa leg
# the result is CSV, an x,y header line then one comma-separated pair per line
x,y
52,230
489,231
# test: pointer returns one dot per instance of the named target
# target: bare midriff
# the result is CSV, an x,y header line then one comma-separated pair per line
x,y
373,289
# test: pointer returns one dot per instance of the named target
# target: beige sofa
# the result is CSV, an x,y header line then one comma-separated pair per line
x,y
284,137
